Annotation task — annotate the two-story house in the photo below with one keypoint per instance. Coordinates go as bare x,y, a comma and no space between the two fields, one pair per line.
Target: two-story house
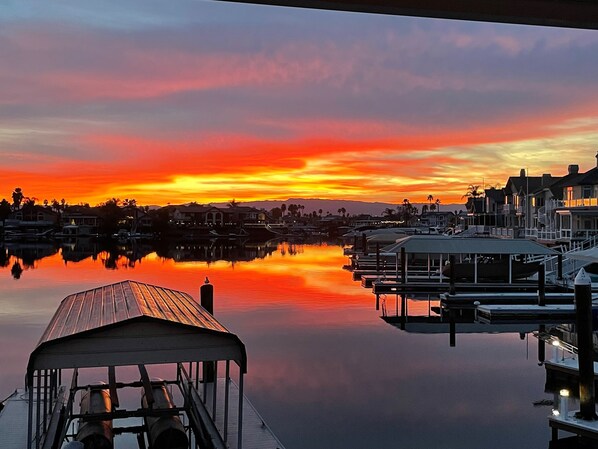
578,212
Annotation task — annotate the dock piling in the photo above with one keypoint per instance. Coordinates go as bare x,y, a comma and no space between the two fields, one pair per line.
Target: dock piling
364,244
583,314
206,294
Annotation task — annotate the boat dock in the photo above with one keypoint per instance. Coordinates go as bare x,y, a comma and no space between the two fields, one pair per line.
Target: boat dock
462,300
388,286
132,324
513,313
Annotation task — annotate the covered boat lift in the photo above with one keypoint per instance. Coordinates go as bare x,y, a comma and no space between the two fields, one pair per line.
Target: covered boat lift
441,247
135,324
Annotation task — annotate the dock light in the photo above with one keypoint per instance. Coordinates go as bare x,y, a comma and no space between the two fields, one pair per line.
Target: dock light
555,412
556,343
564,393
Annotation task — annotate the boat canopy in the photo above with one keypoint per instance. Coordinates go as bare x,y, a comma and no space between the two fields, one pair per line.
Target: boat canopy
441,244
132,323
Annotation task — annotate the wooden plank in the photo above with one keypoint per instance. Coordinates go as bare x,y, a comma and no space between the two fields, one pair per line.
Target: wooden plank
256,433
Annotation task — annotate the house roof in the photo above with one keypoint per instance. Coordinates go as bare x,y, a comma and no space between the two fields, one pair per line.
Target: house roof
523,183
132,323
498,195
440,244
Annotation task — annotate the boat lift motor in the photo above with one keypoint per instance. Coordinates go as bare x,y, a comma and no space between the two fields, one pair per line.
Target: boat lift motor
95,434
164,432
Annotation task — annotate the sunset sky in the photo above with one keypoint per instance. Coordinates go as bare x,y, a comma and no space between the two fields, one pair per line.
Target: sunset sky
205,101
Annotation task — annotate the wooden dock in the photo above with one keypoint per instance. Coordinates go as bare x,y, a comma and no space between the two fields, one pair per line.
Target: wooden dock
389,286
550,313
463,300
256,433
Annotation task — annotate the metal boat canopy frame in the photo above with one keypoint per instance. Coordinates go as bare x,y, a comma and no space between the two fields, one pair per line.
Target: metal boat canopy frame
124,324
440,245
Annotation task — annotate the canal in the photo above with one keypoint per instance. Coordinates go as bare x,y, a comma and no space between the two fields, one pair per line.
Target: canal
325,371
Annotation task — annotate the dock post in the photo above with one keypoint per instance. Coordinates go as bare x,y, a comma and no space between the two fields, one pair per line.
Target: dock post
560,267
403,263
583,321
206,294
377,258
541,285
354,243
452,274
364,243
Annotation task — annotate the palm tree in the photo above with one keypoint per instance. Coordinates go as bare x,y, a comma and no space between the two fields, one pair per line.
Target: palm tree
473,191
388,212
17,198
437,204
430,199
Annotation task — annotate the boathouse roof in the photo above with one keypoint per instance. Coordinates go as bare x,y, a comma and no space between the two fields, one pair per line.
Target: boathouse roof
130,323
441,244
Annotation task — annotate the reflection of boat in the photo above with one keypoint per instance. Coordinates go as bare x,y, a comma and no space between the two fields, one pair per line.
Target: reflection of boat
494,270
146,328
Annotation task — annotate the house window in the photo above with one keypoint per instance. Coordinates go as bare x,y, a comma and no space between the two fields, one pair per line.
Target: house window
586,191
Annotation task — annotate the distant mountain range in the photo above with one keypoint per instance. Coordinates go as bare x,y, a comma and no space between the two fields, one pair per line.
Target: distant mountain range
332,206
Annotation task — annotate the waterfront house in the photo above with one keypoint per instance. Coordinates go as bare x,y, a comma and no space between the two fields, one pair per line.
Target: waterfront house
441,220
198,215
31,218
81,220
578,210
517,207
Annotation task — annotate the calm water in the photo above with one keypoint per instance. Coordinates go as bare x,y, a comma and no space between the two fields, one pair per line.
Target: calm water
325,370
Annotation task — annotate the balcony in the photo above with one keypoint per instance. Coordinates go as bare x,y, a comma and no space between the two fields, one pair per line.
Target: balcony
581,202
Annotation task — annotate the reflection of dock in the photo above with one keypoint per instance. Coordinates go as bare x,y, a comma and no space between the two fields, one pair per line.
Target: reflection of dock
439,325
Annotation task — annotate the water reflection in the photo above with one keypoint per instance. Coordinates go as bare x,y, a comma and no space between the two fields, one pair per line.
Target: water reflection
114,255
324,370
